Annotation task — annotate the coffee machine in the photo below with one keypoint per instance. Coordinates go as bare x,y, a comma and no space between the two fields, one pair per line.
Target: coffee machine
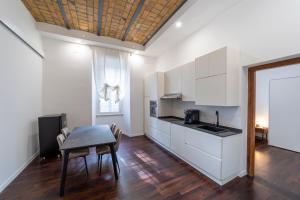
191,116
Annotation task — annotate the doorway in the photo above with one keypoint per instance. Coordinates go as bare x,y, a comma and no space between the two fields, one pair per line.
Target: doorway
252,125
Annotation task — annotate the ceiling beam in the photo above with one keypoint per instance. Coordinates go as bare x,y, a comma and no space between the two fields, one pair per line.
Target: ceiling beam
62,11
132,20
100,13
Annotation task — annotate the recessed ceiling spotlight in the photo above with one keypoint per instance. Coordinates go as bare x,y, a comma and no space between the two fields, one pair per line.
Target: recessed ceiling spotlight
178,24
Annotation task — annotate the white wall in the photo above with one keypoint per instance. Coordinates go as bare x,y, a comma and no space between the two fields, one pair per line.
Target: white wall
229,116
132,120
69,86
67,81
264,29
262,89
20,92
261,29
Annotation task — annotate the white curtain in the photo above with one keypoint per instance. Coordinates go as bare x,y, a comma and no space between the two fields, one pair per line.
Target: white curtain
110,73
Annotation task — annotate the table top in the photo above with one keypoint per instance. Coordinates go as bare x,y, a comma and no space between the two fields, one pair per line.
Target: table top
88,136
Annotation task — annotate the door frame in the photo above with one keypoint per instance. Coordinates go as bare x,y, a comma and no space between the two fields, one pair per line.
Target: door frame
251,106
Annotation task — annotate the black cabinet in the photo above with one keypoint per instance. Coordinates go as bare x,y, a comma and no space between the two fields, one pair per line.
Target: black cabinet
49,127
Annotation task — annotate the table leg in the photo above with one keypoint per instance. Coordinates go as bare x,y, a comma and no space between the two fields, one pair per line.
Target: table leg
64,172
113,156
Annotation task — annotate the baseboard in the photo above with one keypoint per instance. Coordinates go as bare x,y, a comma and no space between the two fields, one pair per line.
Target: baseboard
16,173
243,173
134,134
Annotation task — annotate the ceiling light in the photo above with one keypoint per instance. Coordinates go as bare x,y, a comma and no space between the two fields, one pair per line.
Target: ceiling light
136,51
178,24
78,41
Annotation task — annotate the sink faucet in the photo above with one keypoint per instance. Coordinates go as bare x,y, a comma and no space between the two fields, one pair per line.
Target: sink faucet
217,113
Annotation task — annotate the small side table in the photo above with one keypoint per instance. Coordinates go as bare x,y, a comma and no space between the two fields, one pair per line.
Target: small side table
263,131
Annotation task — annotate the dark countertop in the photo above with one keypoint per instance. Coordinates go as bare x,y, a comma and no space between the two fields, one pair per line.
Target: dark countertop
179,121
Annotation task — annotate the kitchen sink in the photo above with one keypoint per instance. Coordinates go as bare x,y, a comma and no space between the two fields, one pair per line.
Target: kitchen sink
212,128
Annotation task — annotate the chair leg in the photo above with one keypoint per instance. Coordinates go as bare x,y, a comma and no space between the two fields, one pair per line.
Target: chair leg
98,162
100,165
86,167
118,163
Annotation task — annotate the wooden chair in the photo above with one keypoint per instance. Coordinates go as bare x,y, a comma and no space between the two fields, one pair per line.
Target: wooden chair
65,131
113,127
104,149
74,153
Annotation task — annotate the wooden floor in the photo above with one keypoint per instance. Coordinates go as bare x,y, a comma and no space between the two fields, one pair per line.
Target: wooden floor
149,172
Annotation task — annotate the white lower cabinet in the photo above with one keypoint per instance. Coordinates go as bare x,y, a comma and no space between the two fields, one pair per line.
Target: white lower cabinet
160,131
177,139
216,157
204,161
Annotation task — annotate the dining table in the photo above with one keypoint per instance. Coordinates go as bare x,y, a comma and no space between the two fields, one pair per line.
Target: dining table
85,137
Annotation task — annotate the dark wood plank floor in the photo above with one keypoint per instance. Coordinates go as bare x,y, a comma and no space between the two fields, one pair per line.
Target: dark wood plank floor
149,172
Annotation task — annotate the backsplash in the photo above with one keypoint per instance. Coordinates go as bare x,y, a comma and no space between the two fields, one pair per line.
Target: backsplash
229,116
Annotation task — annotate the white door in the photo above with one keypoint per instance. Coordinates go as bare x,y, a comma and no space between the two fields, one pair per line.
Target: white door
211,91
284,113
188,82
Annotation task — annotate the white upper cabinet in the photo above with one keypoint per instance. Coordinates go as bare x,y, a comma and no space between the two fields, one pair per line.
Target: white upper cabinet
217,62
211,64
188,82
217,78
155,86
173,81
211,91
201,66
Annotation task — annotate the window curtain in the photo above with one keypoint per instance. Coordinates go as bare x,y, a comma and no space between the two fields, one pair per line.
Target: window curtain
110,73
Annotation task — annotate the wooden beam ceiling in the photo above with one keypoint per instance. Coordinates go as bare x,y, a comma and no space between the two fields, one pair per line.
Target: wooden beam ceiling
128,20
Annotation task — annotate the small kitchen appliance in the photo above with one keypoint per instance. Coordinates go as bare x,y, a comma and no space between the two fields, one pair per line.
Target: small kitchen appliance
191,116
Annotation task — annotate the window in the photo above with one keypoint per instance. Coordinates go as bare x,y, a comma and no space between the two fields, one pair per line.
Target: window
109,106
110,72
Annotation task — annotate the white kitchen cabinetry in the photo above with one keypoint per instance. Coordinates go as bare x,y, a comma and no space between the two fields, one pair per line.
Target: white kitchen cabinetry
217,78
160,131
187,82
211,90
173,81
177,139
216,157
155,85
146,114
201,66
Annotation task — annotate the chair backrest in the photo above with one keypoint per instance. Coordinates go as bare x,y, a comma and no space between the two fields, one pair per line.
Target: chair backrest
113,127
60,140
118,136
65,131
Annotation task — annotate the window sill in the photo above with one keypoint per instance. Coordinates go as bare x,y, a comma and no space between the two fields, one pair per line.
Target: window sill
108,114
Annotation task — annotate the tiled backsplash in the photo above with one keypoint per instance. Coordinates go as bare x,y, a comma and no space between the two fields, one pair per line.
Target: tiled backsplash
229,116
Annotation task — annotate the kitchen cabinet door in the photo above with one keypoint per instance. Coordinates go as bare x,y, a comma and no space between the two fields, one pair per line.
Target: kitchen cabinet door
205,142
173,81
202,66
204,161
217,62
177,139
146,114
211,91
152,86
188,82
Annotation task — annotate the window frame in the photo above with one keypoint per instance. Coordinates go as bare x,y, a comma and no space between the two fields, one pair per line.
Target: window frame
98,113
